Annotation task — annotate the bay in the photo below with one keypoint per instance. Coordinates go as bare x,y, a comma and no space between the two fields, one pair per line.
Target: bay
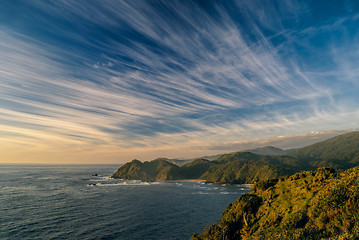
82,202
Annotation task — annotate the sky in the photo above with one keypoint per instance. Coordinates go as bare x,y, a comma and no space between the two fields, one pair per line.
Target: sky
109,81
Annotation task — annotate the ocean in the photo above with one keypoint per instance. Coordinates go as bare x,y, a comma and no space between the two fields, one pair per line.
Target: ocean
71,202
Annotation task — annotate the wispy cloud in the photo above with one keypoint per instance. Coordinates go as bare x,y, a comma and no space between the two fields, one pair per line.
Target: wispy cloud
158,74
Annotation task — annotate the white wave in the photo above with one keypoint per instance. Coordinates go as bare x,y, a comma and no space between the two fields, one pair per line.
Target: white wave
26,177
47,178
18,188
229,193
103,178
122,183
247,185
202,193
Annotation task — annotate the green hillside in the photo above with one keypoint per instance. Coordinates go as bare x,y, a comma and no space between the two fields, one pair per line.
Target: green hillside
247,167
241,171
341,152
317,204
269,151
195,169
279,161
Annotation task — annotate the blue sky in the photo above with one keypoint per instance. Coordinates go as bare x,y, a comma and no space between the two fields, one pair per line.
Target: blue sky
107,81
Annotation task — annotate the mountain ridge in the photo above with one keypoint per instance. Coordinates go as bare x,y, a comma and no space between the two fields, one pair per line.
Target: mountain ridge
340,152
269,151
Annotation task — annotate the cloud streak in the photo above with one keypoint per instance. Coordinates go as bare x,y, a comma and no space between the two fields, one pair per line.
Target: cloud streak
158,74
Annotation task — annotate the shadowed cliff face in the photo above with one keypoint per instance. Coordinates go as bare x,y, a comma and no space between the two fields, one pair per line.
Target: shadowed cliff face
319,204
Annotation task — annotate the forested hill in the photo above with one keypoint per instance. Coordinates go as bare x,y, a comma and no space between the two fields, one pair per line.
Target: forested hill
157,169
232,168
269,151
320,204
341,152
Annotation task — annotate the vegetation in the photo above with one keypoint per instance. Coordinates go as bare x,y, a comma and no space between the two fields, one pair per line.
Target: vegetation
178,162
195,169
247,167
269,151
240,171
231,171
341,153
319,204
158,169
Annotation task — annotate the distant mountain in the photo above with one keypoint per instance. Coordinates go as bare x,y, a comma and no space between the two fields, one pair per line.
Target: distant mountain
212,157
178,162
279,161
269,151
341,152
320,204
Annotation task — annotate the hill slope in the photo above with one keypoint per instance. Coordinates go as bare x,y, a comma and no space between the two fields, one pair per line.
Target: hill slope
241,171
269,151
158,169
195,169
178,162
341,152
246,167
319,204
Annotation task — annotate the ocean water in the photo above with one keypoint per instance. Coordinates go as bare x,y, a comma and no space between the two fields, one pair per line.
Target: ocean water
68,202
